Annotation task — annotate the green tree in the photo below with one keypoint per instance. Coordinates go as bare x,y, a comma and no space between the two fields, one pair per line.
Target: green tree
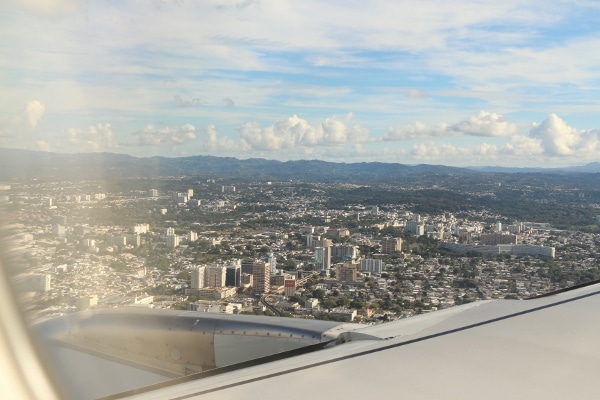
330,303
318,294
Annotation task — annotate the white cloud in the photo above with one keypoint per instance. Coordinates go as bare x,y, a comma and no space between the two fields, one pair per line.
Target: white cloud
34,110
485,124
340,131
116,57
98,137
168,136
284,134
482,124
551,142
21,124
436,152
521,67
212,141
523,147
449,154
295,132
418,130
557,138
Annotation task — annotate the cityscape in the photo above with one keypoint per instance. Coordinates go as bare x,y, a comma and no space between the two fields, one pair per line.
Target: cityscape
279,248
233,199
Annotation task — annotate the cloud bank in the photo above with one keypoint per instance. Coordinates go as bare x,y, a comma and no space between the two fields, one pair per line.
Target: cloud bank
550,142
295,132
95,138
167,136
485,124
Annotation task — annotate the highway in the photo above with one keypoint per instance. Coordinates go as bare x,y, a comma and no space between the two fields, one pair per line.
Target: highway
270,307
302,281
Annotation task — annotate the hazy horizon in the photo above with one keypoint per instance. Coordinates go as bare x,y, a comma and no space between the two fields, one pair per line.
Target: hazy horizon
510,84
241,158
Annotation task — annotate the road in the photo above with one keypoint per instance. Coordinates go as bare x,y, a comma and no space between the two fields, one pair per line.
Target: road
270,307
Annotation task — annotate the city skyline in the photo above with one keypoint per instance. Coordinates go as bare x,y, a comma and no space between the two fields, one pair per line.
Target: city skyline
460,84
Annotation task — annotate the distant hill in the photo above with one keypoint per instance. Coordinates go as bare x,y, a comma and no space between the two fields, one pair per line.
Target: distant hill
593,167
44,165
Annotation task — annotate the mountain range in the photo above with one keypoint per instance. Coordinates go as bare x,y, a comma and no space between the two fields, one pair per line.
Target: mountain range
20,164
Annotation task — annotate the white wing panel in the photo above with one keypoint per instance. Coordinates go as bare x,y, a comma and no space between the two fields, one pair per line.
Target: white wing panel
502,349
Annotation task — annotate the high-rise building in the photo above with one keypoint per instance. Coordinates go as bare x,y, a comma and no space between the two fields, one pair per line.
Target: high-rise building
498,238
311,240
261,276
192,236
141,228
344,251
172,241
214,276
371,265
324,242
323,258
248,265
306,230
197,274
289,286
338,232
345,272
153,193
233,276
391,245
172,238
415,227
516,228
270,258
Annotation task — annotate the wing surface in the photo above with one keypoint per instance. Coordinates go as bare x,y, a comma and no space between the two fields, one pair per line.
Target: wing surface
542,348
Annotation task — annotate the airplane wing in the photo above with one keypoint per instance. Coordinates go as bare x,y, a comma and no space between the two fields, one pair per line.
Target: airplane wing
541,348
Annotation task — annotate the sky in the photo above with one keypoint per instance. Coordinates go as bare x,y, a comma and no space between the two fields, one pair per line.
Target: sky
460,83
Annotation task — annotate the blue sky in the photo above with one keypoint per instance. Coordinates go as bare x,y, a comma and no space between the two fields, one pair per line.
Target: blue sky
462,82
